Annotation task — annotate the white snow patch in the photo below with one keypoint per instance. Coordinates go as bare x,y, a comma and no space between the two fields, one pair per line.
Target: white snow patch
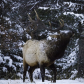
17,5
51,8
20,29
4,69
9,59
80,16
80,79
14,67
65,81
36,74
8,20
18,64
45,8
72,56
5,1
49,38
18,58
9,62
55,6
74,73
70,4
64,31
28,36
71,60
20,75
68,60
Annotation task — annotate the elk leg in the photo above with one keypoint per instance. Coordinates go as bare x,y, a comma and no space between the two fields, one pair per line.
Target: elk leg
30,73
24,72
42,69
54,71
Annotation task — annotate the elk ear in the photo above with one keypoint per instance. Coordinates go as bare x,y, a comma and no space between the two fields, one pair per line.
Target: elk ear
30,19
37,15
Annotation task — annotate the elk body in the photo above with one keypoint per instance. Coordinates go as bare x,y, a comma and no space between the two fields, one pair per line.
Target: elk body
43,53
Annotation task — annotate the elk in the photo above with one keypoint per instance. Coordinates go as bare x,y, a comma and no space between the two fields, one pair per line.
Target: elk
43,53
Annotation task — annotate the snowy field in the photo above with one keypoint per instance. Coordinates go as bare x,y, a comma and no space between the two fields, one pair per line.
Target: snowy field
77,81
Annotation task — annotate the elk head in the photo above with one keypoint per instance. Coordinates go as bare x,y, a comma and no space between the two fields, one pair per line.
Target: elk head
38,26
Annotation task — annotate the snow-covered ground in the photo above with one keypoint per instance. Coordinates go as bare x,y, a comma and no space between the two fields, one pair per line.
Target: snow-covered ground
65,81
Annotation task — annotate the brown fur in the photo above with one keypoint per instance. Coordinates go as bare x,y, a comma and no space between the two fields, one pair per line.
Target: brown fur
43,53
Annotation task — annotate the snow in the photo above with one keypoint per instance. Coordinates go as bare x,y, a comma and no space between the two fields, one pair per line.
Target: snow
74,73
51,8
80,16
18,57
5,1
1,59
64,31
4,69
70,4
64,81
71,59
56,6
8,20
49,38
45,8
19,28
20,75
9,62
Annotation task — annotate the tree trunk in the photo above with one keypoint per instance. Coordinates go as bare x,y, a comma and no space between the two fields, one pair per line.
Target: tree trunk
81,58
81,54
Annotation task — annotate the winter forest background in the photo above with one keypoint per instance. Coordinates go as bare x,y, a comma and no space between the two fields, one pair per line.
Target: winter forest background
14,33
